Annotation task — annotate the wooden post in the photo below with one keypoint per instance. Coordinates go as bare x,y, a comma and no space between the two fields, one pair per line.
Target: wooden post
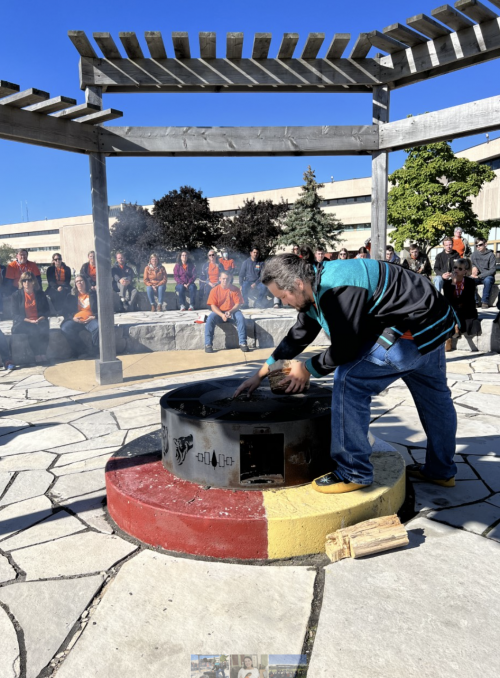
380,173
108,368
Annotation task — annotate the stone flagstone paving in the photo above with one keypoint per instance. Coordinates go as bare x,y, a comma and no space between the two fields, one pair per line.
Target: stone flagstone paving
78,599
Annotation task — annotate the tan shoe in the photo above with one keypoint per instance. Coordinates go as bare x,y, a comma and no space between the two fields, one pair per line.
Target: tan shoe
331,483
448,345
153,308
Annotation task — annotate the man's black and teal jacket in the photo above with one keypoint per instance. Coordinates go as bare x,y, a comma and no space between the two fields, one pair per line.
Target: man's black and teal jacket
364,300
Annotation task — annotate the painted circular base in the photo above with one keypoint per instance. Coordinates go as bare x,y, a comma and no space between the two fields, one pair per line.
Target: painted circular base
159,509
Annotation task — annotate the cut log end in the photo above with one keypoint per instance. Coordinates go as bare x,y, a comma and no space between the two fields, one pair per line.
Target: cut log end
366,538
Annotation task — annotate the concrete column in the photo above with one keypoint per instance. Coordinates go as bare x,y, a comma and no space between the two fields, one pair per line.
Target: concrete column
380,173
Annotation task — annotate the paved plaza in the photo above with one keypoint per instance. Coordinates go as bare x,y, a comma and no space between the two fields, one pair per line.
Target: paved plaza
78,598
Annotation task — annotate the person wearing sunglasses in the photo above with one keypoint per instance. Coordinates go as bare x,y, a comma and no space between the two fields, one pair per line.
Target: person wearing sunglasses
460,291
58,283
209,276
484,268
343,254
81,314
30,315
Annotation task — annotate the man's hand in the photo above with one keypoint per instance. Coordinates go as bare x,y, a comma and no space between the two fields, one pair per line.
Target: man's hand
249,385
59,289
298,378
252,286
446,276
87,320
42,317
186,285
125,281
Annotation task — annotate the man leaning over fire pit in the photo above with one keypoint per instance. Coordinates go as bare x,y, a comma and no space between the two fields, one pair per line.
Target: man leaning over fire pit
384,323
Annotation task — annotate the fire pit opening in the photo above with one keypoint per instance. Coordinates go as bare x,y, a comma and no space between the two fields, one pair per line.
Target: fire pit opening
262,459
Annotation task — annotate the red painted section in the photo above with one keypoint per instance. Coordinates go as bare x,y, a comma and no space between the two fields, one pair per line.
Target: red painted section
158,508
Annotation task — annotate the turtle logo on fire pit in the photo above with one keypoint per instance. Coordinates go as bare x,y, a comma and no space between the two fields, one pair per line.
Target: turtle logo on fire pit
182,447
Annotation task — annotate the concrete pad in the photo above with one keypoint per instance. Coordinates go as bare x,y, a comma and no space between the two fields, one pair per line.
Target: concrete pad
59,604
90,509
96,425
74,555
428,496
474,518
485,402
96,460
226,600
401,425
7,573
14,403
10,666
76,484
26,485
488,469
487,378
457,376
28,382
403,451
53,410
9,425
478,435
135,433
469,386
5,478
494,389
143,416
60,524
464,472
457,367
38,438
408,612
51,393
22,515
26,462
111,440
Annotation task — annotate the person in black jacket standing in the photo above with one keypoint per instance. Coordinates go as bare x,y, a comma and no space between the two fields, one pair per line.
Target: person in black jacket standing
81,314
59,283
460,290
123,280
443,265
30,315
249,278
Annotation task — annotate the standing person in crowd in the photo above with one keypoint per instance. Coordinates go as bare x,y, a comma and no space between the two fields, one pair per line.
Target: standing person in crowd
89,270
460,244
5,355
58,283
484,268
250,272
319,255
81,314
225,300
30,315
16,268
343,254
460,290
155,279
362,253
227,264
391,256
209,278
419,262
123,278
443,264
185,276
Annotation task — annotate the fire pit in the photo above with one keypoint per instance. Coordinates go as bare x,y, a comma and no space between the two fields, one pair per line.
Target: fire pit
252,442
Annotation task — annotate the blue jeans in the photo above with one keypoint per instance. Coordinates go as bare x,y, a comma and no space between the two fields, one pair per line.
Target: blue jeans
214,319
151,294
488,282
180,290
438,283
372,372
72,329
260,291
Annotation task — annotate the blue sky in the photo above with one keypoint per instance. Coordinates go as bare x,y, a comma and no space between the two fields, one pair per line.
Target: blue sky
36,52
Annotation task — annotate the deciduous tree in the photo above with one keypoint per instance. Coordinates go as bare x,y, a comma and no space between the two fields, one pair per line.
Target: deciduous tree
136,234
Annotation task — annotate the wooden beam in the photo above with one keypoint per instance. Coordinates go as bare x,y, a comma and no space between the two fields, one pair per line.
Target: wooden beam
449,16
82,44
361,47
427,26
131,45
7,88
288,45
107,45
26,98
385,43
76,111
404,34
338,45
207,45
261,44
234,45
238,141
44,130
449,123
476,10
312,46
100,117
51,105
155,44
181,45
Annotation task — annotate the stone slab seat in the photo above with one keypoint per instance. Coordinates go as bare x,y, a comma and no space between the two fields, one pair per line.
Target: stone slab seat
493,294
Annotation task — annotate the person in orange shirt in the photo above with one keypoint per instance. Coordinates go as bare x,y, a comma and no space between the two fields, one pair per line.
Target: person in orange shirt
155,279
89,271
81,314
30,311
210,273
16,268
460,244
225,300
227,264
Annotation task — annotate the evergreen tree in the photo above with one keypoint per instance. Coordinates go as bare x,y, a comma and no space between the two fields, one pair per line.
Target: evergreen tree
432,196
136,234
257,223
306,223
7,254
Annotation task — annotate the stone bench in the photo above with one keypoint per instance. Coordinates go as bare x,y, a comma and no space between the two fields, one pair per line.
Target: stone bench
493,294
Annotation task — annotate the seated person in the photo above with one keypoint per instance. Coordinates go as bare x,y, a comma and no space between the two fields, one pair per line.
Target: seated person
484,268
250,272
443,264
184,276
123,281
393,258
419,262
209,277
16,268
155,279
58,279
460,290
30,315
362,253
343,254
6,360
89,271
81,314
226,263
225,300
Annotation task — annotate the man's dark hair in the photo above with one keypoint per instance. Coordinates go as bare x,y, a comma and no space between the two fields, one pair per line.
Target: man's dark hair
319,248
389,248
285,269
254,247
480,241
414,246
448,237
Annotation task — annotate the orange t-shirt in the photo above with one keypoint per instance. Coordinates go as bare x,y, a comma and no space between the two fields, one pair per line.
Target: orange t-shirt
225,299
92,273
60,275
459,246
213,273
84,311
185,267
227,264
30,306
15,270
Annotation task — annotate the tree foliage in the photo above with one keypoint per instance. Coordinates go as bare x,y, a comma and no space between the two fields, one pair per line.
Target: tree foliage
256,224
185,220
136,234
432,196
306,223
7,254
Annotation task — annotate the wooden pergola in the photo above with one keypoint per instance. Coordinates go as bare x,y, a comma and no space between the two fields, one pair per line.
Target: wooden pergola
451,39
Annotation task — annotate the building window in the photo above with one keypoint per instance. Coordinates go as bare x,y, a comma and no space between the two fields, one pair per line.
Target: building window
357,227
28,235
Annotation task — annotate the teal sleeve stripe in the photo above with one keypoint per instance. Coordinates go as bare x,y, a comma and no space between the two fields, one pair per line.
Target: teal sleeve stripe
270,360
395,330
439,335
311,369
383,291
386,340
434,324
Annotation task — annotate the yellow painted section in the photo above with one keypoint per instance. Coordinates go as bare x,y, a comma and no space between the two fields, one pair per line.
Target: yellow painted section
299,518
